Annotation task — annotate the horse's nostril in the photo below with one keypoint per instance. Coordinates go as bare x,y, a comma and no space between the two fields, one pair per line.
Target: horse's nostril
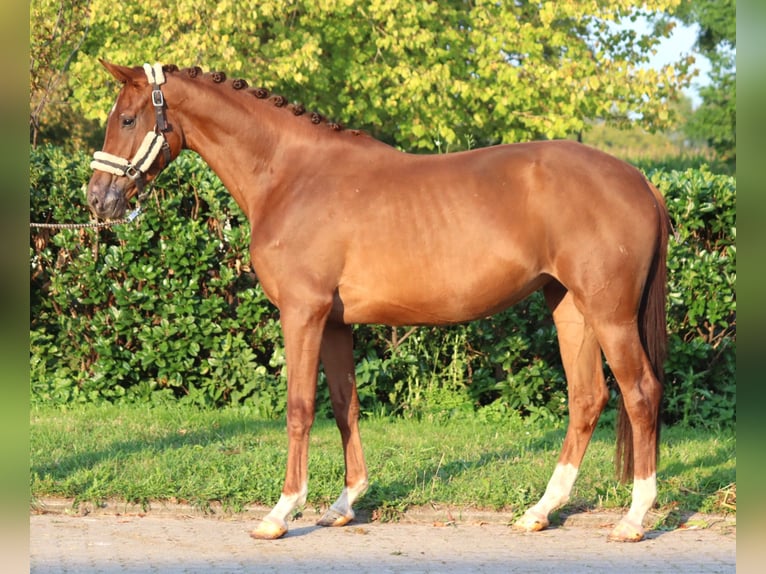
95,202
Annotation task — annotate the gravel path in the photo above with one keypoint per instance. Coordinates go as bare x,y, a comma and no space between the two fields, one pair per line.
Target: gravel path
177,540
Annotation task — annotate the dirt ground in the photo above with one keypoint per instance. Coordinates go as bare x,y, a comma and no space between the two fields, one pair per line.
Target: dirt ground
175,540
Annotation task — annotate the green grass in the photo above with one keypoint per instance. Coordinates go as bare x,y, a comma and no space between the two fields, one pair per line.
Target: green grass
142,454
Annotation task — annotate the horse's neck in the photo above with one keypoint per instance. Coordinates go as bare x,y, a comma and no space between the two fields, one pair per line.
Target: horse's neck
256,149
239,144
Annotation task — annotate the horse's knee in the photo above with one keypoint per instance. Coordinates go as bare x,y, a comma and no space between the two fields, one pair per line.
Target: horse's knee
585,410
300,418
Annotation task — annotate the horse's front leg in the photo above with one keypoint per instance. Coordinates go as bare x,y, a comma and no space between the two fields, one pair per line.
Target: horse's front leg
302,329
338,362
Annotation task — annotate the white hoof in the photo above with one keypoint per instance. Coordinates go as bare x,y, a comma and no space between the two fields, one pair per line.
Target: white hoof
626,531
531,522
270,528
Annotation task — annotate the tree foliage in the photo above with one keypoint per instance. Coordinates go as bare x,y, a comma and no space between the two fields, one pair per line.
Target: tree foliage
716,119
422,75
59,28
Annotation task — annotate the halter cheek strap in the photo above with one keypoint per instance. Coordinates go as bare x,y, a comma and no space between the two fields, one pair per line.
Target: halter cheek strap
152,144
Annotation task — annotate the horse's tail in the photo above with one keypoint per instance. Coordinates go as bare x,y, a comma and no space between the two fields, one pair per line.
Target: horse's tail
653,333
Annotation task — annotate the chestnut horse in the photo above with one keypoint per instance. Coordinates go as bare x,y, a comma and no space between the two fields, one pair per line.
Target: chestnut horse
346,229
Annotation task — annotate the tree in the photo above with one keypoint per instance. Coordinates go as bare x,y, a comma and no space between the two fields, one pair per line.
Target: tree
715,120
421,75
58,30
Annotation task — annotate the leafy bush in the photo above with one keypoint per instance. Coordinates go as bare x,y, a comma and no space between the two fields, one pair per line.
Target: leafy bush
169,309
700,369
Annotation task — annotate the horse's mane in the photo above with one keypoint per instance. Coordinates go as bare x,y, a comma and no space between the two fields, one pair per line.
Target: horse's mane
260,93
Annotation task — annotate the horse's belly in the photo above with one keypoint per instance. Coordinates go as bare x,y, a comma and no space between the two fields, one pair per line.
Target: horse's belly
422,300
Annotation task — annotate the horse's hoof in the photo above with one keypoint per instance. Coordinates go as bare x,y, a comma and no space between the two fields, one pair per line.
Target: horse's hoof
531,522
269,529
626,532
334,518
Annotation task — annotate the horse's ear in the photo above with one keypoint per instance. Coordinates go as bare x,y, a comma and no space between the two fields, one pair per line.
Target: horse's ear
123,74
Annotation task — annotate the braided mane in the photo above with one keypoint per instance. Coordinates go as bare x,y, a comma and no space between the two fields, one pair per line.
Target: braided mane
261,93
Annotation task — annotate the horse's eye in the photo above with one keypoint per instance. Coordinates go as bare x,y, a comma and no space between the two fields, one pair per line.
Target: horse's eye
128,122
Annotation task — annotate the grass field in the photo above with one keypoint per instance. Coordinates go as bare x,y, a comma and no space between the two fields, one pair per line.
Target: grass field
140,454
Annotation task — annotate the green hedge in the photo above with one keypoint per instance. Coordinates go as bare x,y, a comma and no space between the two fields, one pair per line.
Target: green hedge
168,309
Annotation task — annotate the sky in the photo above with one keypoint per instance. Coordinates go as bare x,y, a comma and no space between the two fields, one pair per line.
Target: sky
680,43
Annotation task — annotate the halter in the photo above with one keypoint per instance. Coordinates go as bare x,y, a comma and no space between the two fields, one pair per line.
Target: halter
150,147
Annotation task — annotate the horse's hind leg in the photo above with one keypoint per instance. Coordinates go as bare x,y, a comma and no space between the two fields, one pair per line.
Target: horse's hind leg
338,362
641,396
583,366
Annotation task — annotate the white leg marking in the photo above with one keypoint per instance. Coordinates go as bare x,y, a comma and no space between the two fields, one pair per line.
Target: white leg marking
274,524
288,503
558,489
644,495
341,512
556,493
631,528
348,496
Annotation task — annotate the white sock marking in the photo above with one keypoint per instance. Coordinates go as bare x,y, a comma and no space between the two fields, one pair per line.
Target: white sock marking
558,489
348,496
287,503
644,495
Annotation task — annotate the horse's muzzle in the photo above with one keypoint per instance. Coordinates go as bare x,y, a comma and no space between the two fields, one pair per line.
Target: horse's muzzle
107,195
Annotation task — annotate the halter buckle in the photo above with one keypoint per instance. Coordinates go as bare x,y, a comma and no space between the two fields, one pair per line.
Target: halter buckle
132,172
158,100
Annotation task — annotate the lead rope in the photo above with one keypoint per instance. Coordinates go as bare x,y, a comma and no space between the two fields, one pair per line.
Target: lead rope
130,218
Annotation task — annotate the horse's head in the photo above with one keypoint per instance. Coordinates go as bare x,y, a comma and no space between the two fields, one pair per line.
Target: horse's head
140,141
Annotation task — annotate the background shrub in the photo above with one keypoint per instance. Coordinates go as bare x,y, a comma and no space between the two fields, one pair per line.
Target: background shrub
169,309
700,369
